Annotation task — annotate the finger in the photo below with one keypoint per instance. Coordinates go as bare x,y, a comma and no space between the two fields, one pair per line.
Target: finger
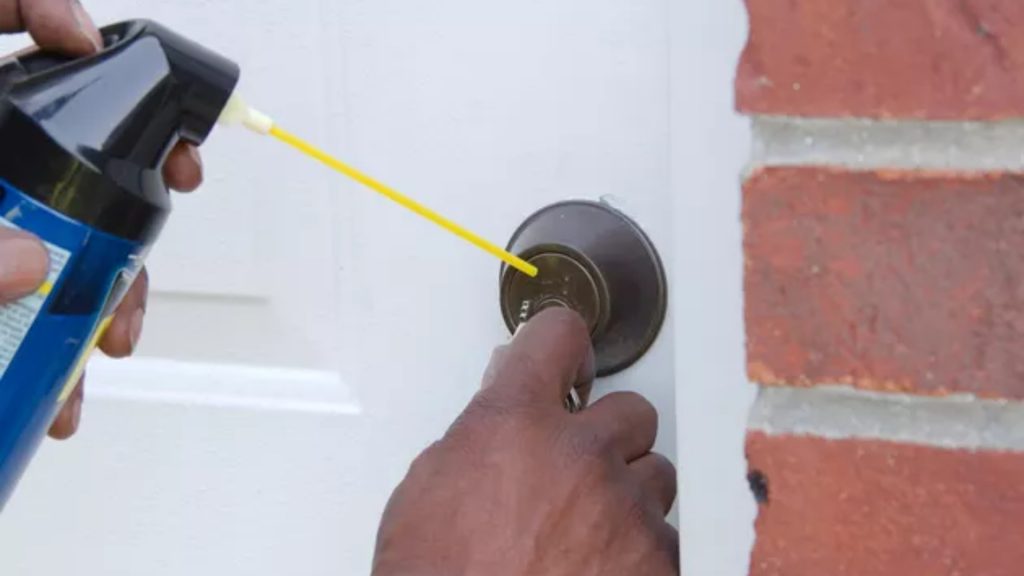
183,169
24,264
125,330
58,25
657,478
547,357
10,16
668,537
584,386
70,415
628,422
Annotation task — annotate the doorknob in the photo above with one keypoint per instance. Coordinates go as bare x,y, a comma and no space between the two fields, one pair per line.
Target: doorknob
595,260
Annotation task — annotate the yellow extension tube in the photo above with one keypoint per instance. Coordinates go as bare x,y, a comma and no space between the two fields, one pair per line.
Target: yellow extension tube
314,152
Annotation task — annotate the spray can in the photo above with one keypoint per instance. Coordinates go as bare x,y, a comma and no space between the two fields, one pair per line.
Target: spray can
82,147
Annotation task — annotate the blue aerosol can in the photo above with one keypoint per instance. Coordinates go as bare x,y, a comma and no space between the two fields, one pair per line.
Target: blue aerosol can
82,147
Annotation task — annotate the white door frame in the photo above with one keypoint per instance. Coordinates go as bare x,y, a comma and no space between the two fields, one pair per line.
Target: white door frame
710,148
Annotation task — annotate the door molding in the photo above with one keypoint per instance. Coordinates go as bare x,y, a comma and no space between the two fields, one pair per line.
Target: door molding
232,386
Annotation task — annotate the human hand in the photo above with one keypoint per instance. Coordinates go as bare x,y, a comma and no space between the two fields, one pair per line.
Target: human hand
64,26
518,486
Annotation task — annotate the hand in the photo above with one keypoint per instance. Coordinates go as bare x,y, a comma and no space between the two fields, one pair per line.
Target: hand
64,26
520,487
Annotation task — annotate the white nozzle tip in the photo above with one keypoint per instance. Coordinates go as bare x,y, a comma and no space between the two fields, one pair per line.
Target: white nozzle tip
238,112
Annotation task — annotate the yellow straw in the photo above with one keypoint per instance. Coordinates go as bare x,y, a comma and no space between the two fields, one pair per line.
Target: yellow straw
314,152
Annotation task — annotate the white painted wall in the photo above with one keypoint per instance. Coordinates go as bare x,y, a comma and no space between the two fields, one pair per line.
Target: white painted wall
314,338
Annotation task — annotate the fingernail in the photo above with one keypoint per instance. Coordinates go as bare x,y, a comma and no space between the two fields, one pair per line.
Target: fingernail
86,25
194,153
23,266
135,329
76,413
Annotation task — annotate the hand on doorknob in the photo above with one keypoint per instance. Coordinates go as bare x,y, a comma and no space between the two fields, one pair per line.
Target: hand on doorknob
518,486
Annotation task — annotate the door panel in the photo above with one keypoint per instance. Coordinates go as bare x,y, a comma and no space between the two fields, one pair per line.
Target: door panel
183,468
317,293
487,111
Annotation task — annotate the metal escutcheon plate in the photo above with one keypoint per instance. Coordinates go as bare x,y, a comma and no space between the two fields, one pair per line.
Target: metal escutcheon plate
595,260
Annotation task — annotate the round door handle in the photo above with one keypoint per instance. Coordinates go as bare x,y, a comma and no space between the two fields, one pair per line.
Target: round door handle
595,260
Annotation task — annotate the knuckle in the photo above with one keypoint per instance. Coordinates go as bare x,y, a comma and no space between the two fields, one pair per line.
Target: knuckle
667,548
580,443
641,404
495,367
586,452
492,408
511,371
492,418
664,467
513,381
497,356
424,463
524,367
637,510
475,415
641,408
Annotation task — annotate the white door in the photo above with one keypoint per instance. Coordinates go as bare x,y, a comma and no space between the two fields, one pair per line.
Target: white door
306,339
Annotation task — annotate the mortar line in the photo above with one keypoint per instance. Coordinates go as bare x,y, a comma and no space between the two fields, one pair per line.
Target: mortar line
838,413
899,144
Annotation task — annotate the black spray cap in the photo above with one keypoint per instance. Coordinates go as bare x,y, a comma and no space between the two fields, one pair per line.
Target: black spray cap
201,80
102,125
147,88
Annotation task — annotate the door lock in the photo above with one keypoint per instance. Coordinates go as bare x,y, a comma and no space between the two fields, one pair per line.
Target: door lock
595,260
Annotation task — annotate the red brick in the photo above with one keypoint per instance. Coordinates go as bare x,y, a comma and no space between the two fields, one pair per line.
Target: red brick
863,508
930,59
893,281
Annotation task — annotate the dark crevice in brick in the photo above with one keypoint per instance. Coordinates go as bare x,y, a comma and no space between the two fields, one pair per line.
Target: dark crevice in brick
758,486
974,21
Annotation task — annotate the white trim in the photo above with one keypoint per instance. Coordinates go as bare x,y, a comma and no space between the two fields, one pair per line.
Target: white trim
230,386
710,147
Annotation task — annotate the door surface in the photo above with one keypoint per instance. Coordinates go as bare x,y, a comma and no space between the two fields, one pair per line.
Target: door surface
305,338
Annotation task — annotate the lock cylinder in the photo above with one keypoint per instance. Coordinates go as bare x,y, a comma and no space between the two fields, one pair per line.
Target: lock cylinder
596,261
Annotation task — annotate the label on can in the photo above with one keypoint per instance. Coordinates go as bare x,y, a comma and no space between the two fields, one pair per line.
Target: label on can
16,318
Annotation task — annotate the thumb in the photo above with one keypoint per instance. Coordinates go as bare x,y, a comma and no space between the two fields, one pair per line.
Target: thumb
550,355
24,264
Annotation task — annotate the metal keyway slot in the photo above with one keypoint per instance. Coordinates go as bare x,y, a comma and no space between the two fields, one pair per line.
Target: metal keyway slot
595,260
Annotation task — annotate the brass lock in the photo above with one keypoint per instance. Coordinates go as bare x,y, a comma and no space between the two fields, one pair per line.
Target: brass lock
595,260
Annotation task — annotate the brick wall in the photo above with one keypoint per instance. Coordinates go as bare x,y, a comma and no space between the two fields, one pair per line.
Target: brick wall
884,284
